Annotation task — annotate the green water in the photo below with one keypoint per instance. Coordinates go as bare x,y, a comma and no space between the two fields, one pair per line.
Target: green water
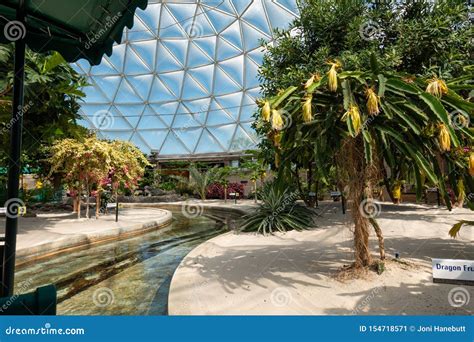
128,277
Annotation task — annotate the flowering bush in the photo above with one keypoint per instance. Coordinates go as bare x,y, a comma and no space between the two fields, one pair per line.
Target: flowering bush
216,190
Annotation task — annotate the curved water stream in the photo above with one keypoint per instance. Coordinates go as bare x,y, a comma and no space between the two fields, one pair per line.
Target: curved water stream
127,277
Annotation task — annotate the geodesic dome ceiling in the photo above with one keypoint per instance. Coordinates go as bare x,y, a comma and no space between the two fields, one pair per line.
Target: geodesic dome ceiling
184,80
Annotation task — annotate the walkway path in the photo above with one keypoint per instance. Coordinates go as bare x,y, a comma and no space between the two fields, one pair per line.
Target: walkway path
293,273
48,234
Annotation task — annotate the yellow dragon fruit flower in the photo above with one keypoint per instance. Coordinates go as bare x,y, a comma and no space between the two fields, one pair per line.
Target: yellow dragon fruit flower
437,87
309,82
266,111
277,120
372,102
471,164
307,109
444,138
354,114
277,139
332,76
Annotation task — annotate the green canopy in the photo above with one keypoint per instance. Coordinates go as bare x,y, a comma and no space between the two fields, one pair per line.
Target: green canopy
75,28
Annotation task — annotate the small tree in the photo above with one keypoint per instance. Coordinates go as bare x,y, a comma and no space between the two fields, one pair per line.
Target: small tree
221,177
201,180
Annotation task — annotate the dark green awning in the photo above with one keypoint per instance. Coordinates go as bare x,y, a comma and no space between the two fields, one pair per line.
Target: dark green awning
75,28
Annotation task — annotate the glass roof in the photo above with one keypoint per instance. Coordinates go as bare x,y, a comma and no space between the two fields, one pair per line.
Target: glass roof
184,80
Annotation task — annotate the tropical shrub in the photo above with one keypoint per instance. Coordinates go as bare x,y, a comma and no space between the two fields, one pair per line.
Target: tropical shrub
279,212
388,103
217,190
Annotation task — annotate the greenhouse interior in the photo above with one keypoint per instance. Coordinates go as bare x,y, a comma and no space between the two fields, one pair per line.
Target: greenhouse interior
236,157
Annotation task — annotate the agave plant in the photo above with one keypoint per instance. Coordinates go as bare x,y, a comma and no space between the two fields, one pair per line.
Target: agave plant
279,212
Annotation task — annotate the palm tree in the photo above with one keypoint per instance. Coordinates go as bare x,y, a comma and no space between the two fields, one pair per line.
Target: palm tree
201,180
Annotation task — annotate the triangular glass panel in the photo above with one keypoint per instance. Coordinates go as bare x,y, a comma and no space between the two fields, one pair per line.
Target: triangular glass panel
169,27
165,109
257,17
208,45
151,16
232,35
94,95
139,31
173,145
139,142
132,113
223,84
173,81
231,104
189,136
108,84
178,48
104,68
150,120
154,138
252,37
251,74
134,65
142,84
160,93
126,94
165,61
290,5
201,26
192,90
146,51
204,75
226,50
219,20
241,141
241,5
279,17
234,68
223,134
217,116
197,57
118,56
208,144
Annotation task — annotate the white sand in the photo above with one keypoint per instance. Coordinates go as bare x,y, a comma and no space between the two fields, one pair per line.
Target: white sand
293,273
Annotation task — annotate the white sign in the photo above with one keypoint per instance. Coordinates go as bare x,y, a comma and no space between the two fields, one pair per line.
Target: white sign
451,269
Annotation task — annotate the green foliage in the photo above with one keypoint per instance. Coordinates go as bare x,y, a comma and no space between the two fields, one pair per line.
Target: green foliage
52,100
279,212
201,180
383,81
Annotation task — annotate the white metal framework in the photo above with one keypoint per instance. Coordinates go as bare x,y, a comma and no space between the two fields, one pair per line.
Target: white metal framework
184,80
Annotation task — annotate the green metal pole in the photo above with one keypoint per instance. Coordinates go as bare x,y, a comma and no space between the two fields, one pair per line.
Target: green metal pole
11,226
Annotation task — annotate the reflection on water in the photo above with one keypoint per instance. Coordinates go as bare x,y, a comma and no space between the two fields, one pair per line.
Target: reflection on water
128,277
